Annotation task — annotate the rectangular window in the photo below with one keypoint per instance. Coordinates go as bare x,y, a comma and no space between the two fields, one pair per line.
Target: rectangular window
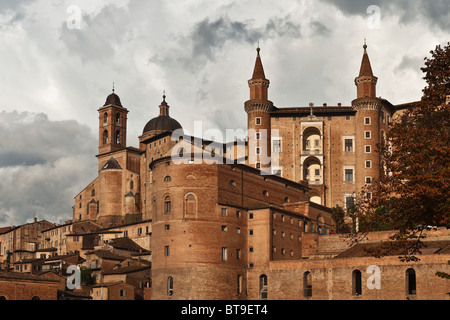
348,145
166,251
238,253
167,207
250,232
224,254
276,146
368,180
258,150
239,284
258,135
224,211
347,117
349,175
349,201
250,215
167,227
368,149
224,228
258,121
368,164
367,134
367,120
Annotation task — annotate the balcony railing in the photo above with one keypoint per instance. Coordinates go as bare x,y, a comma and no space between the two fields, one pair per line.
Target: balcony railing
312,151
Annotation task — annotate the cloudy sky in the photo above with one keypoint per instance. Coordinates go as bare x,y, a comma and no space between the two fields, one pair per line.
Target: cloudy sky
58,60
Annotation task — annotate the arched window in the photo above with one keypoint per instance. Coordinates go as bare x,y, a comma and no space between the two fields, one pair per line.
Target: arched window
167,179
307,284
191,204
167,205
117,137
35,298
105,118
169,286
2,298
410,281
263,287
131,185
117,118
356,283
105,137
93,192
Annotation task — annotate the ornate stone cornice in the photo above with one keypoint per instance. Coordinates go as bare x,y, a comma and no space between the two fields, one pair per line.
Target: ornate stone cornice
258,105
367,104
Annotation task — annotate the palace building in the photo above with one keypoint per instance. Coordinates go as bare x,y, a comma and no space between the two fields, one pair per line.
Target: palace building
226,219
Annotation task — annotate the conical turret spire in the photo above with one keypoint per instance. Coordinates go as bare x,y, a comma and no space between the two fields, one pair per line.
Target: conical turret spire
366,82
258,72
366,68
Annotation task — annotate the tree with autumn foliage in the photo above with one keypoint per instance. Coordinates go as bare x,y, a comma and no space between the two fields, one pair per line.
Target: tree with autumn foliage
413,192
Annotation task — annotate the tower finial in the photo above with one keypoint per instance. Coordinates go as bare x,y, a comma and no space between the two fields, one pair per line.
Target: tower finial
164,95
365,45
258,49
113,88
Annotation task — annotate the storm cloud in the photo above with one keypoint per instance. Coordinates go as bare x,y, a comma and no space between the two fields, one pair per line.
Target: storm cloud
43,164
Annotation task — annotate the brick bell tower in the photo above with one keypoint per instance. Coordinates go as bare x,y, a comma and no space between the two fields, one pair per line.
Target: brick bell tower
258,110
368,123
112,125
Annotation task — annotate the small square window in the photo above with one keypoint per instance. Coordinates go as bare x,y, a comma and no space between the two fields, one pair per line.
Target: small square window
224,228
347,117
258,121
368,164
368,180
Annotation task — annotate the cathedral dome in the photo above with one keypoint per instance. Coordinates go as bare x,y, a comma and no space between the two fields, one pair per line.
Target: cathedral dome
163,122
113,99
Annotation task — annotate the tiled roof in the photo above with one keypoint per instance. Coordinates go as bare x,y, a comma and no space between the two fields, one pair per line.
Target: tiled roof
23,276
129,269
125,243
105,254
